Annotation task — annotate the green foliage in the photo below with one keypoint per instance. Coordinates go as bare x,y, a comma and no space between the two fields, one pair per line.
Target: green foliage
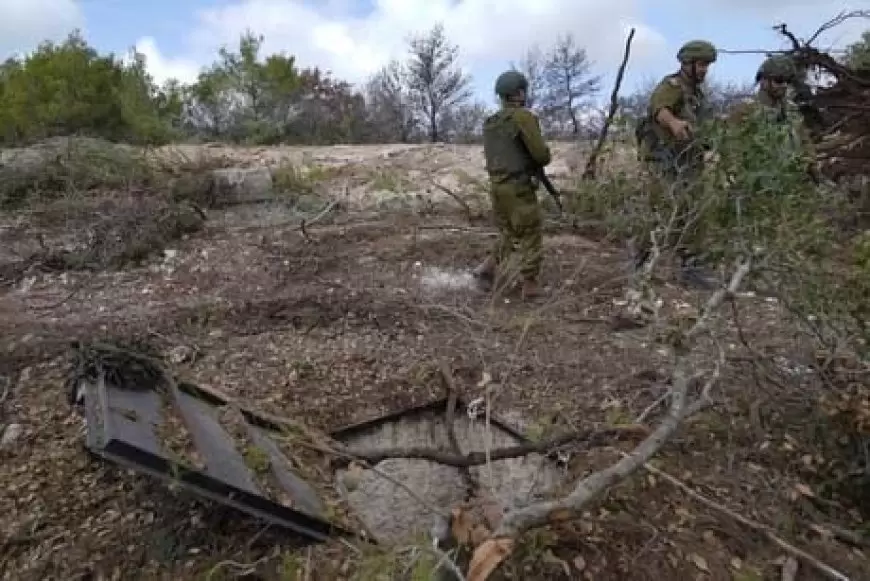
68,89
244,98
858,53
759,195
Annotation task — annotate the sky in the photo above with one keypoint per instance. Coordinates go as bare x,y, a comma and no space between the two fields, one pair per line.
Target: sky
354,38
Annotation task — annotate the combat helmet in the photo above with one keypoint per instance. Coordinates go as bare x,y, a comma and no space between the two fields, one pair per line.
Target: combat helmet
697,50
778,66
509,83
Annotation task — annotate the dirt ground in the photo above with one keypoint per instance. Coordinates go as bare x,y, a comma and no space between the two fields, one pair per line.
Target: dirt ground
346,325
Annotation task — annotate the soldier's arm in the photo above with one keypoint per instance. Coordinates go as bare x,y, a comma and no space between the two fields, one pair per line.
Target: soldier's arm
665,101
530,133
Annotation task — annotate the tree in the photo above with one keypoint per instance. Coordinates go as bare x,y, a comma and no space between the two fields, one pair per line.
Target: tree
464,123
69,89
435,81
532,66
858,53
569,83
389,104
241,97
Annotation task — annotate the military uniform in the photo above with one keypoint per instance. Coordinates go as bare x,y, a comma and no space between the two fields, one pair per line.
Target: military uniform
514,150
778,109
672,164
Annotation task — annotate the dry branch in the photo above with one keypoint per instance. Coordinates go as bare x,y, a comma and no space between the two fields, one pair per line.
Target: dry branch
589,437
320,216
469,213
592,162
472,485
492,552
768,532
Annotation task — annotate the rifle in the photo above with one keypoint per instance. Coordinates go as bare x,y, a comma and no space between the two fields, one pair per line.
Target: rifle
542,177
551,189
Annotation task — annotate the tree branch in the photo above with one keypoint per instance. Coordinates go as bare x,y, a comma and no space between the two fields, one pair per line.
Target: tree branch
768,532
489,555
591,163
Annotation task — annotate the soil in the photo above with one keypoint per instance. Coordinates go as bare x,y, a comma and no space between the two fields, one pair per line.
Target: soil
347,323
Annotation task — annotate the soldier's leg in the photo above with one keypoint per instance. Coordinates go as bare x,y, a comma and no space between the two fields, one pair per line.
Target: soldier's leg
691,248
527,223
501,248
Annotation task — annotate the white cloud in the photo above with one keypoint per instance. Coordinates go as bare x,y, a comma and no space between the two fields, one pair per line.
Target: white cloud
490,33
163,69
26,23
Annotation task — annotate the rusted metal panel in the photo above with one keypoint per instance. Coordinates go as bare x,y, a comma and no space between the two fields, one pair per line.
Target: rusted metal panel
123,426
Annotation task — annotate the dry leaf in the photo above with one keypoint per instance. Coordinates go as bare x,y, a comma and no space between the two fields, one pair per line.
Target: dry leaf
699,562
579,563
487,557
804,490
461,526
736,563
479,534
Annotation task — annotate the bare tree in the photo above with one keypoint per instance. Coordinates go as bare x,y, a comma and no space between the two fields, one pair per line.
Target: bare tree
532,66
569,82
435,81
464,123
389,103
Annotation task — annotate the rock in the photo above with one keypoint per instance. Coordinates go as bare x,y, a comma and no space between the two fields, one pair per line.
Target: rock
242,186
11,435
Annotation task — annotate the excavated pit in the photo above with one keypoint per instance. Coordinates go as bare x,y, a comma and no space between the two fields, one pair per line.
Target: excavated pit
392,514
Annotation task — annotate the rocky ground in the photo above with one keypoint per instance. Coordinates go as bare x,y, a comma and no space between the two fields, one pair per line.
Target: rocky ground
344,321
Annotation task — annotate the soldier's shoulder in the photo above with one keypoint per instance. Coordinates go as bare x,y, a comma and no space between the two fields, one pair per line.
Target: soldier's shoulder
523,115
520,113
673,80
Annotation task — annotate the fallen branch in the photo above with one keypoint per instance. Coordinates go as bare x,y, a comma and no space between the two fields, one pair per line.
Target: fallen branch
472,485
592,162
489,555
469,213
590,437
323,213
765,530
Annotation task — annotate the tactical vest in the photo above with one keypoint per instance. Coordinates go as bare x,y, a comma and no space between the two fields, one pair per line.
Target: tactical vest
506,155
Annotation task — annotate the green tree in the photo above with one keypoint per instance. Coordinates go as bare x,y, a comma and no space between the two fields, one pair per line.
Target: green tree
858,53
69,89
242,97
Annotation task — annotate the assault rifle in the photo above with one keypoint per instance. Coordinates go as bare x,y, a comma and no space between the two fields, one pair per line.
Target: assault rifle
551,189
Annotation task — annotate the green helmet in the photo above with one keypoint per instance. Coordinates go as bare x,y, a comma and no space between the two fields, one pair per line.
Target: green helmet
777,66
697,50
509,83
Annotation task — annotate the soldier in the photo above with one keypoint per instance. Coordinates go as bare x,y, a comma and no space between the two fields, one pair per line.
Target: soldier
667,144
774,77
514,150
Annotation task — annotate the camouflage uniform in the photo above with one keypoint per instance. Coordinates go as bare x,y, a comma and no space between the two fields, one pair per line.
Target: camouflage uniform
514,150
675,165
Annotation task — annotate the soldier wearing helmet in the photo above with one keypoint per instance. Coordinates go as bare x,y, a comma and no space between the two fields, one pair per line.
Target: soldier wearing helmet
514,150
666,139
776,75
